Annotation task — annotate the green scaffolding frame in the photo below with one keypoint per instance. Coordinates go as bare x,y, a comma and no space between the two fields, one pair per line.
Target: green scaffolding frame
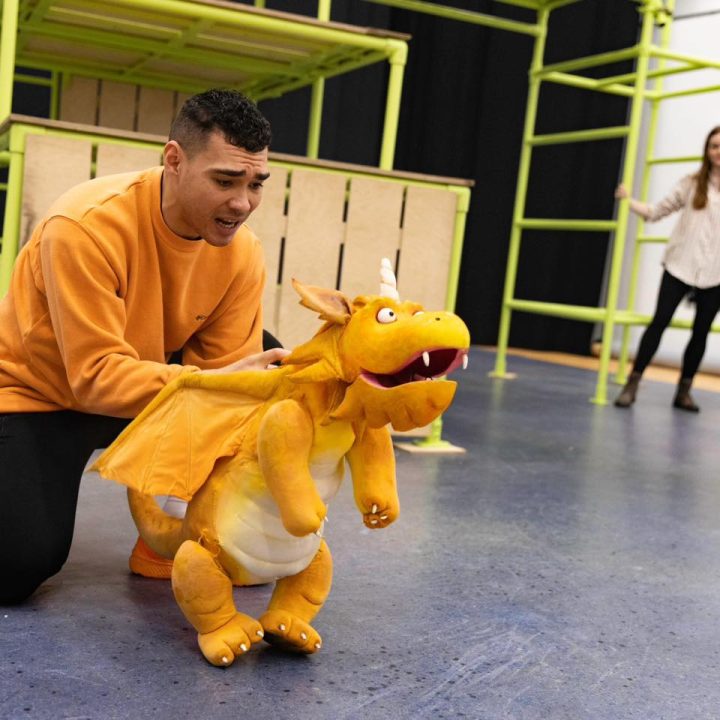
92,39
642,85
635,86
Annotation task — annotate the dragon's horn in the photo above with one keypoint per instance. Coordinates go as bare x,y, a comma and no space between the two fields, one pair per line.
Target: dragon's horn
388,283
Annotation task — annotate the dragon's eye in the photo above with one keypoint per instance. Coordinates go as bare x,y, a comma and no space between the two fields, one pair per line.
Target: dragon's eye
386,315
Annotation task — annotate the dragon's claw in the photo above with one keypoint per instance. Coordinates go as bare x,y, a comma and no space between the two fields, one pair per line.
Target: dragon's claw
289,632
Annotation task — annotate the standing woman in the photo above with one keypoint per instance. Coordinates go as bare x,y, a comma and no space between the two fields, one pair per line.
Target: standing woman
692,264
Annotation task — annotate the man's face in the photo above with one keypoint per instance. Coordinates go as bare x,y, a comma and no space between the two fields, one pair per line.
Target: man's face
213,192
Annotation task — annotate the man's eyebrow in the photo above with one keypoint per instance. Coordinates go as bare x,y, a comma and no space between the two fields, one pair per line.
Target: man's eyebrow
239,173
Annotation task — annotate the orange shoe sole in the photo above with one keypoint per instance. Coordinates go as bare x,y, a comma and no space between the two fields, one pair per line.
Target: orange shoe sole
146,562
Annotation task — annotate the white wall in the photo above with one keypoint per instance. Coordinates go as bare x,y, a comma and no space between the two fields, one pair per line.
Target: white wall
682,127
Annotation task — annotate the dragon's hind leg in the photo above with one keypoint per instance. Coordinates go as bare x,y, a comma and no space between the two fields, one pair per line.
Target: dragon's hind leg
204,593
295,602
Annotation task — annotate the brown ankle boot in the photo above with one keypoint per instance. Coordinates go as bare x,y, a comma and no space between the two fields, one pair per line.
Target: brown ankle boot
683,398
627,397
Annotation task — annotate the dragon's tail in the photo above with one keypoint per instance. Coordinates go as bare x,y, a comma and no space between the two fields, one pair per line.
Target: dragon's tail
162,532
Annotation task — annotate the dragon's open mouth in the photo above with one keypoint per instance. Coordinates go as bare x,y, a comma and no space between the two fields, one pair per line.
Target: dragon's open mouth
426,365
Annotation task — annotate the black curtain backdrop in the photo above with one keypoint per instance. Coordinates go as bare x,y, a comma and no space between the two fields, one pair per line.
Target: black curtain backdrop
462,115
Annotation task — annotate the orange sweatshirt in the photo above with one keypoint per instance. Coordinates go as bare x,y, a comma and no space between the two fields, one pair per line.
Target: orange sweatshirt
104,291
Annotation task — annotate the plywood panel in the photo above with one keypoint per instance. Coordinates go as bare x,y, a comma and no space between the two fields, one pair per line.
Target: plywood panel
117,105
269,223
119,159
79,100
155,110
52,166
180,98
372,233
312,247
426,246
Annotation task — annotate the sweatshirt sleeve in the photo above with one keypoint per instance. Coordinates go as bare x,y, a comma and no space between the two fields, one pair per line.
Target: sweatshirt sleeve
84,291
234,330
678,197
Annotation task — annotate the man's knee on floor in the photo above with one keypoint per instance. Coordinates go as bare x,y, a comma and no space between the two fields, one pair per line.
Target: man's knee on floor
26,569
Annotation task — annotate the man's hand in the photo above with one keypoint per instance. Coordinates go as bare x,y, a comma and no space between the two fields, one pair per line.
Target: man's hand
261,361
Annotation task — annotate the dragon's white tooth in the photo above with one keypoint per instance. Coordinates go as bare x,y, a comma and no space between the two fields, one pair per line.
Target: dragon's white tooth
374,508
426,358
465,362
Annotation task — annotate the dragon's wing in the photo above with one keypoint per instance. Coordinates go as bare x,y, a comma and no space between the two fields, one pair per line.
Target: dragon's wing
172,446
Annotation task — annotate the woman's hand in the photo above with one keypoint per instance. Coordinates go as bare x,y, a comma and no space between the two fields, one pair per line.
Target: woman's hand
621,192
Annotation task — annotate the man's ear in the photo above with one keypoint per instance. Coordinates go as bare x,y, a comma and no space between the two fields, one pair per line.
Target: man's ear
172,156
332,305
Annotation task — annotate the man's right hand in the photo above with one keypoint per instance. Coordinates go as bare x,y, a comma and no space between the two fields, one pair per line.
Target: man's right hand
261,361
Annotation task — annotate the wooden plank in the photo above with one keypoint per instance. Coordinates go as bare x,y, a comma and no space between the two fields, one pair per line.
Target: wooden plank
180,98
269,223
79,100
119,159
155,110
117,105
426,246
372,233
312,247
52,166
370,171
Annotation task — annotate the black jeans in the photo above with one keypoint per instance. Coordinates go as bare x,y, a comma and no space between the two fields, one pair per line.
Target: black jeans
42,457
671,292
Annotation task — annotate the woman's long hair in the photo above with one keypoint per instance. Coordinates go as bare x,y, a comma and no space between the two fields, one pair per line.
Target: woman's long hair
702,176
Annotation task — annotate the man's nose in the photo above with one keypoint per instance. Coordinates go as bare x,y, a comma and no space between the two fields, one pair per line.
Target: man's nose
240,202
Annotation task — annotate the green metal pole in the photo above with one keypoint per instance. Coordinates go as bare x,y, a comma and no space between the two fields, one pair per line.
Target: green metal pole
463,205
521,193
646,35
8,39
398,59
13,205
621,375
467,16
318,93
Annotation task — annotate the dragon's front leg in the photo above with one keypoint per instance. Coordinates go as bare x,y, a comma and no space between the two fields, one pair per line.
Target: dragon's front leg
285,440
295,602
204,593
372,464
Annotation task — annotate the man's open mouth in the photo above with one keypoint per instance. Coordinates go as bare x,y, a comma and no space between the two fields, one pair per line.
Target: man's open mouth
227,224
424,366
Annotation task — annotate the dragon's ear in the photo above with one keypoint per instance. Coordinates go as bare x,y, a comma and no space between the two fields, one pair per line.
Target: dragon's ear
332,305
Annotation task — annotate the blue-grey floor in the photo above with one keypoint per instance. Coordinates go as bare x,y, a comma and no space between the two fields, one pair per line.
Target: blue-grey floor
567,566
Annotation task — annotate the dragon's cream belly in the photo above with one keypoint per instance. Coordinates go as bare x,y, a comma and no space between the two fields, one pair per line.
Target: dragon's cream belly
248,524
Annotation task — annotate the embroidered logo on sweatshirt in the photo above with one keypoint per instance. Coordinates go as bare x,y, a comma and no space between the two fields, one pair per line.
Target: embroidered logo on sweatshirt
201,317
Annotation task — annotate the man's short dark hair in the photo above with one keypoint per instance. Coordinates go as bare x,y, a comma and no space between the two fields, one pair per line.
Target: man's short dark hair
226,111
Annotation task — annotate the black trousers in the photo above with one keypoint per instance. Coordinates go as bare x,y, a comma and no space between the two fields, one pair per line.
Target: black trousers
42,458
671,292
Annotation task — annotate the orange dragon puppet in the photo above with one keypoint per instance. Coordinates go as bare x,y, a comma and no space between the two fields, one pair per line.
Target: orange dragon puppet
260,454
